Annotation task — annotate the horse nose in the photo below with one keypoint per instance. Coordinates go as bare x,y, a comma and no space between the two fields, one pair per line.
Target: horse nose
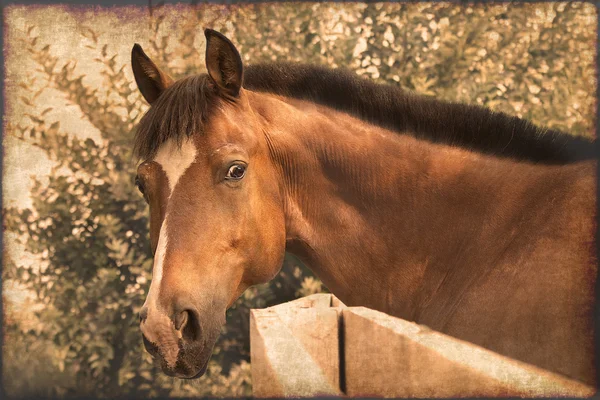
143,314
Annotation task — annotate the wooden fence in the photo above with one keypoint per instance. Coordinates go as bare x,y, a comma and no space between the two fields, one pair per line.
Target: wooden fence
316,346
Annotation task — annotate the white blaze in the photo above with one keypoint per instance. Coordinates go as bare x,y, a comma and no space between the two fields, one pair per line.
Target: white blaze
159,258
174,162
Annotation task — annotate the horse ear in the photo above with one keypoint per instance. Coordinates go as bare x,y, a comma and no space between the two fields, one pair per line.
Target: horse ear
223,63
149,78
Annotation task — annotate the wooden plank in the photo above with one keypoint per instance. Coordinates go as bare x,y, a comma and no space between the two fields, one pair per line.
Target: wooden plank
295,349
318,300
335,302
390,357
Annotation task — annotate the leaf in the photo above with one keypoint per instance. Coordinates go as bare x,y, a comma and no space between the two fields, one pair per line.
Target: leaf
34,118
146,375
53,129
94,36
37,94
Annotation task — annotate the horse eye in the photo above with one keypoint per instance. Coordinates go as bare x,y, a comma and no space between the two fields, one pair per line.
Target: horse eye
139,185
236,172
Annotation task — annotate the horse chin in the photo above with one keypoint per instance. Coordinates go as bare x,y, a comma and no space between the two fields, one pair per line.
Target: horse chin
191,364
187,371
199,374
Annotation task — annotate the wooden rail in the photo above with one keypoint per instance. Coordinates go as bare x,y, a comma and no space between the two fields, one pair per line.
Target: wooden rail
316,346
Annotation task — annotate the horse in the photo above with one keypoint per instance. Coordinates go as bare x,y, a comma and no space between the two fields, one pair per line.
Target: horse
498,250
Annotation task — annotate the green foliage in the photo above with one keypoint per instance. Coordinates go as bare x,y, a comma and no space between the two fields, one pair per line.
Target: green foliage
88,227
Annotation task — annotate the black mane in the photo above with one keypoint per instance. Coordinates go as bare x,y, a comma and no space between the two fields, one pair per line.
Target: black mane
470,126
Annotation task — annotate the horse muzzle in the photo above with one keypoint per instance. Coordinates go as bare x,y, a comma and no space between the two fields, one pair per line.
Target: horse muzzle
177,343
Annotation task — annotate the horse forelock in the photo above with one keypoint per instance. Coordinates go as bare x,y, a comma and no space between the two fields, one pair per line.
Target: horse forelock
179,112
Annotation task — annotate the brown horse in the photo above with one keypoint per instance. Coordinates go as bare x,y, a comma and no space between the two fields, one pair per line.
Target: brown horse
491,250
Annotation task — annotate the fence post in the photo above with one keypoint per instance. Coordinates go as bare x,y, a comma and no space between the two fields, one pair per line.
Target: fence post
295,349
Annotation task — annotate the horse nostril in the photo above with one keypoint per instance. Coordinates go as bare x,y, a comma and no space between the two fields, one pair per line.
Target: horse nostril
143,314
188,323
150,347
181,320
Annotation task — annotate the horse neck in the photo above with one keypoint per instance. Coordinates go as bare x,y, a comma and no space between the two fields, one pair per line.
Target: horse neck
368,210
